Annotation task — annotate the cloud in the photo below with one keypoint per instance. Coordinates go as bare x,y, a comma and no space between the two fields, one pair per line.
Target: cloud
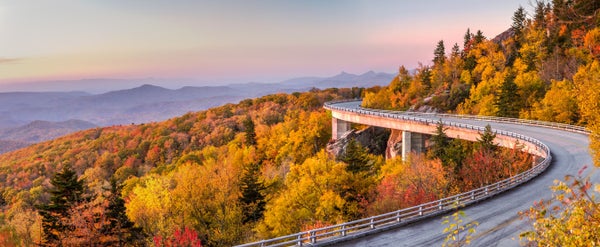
8,60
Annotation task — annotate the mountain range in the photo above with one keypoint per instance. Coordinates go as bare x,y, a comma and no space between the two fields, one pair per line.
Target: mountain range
30,117
38,131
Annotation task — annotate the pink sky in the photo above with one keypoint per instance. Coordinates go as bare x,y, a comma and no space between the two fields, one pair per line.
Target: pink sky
231,41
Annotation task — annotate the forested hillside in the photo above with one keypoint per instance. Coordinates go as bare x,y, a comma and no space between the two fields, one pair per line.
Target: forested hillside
545,67
258,169
189,171
227,175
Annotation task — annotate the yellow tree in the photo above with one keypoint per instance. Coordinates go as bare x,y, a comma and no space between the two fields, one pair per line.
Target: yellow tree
570,218
378,100
486,78
558,105
587,89
151,205
206,199
312,194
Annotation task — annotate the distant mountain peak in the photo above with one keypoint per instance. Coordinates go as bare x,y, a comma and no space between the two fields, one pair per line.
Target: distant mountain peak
369,73
150,86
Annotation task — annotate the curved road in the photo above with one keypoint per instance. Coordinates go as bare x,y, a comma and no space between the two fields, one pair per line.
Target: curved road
499,221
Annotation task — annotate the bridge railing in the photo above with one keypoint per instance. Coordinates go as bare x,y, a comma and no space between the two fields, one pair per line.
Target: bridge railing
429,209
562,126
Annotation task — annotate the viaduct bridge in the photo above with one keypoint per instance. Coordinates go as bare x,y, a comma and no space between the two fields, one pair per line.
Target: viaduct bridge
495,206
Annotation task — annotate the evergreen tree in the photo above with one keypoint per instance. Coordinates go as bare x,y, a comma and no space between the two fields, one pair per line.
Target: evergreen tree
452,152
439,143
426,75
467,40
519,19
456,153
479,37
121,230
455,51
518,25
541,10
357,157
250,132
486,140
439,53
470,63
67,191
252,200
507,100
471,40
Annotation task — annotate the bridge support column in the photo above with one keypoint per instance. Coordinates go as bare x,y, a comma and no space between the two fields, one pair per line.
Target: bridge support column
406,144
339,128
412,142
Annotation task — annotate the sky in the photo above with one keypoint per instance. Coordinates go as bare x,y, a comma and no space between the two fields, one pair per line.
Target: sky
232,41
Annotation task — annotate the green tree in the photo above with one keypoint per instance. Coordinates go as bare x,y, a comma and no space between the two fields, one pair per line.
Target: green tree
486,140
541,10
467,40
455,50
507,99
425,75
456,153
120,230
478,38
357,157
439,142
514,43
439,53
252,199
67,191
250,132
519,21
451,152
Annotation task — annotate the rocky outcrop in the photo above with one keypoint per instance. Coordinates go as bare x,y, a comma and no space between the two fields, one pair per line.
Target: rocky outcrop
394,144
373,138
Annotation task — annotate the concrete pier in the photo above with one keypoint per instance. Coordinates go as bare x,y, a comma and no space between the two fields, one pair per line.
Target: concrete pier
339,128
412,142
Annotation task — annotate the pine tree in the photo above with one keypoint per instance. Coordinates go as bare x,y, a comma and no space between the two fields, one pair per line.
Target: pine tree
455,51
541,10
479,37
121,230
486,140
252,200
250,131
507,100
439,143
467,40
519,22
67,191
357,157
426,75
519,19
439,53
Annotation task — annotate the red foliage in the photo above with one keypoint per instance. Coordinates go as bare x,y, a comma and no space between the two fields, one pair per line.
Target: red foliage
482,169
186,238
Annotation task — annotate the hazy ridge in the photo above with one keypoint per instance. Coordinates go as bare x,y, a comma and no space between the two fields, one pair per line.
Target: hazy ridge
30,117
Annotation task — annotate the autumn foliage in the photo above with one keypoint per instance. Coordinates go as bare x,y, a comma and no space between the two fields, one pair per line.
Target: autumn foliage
257,169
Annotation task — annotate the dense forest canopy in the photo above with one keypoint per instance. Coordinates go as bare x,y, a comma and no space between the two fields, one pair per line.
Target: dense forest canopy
258,169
